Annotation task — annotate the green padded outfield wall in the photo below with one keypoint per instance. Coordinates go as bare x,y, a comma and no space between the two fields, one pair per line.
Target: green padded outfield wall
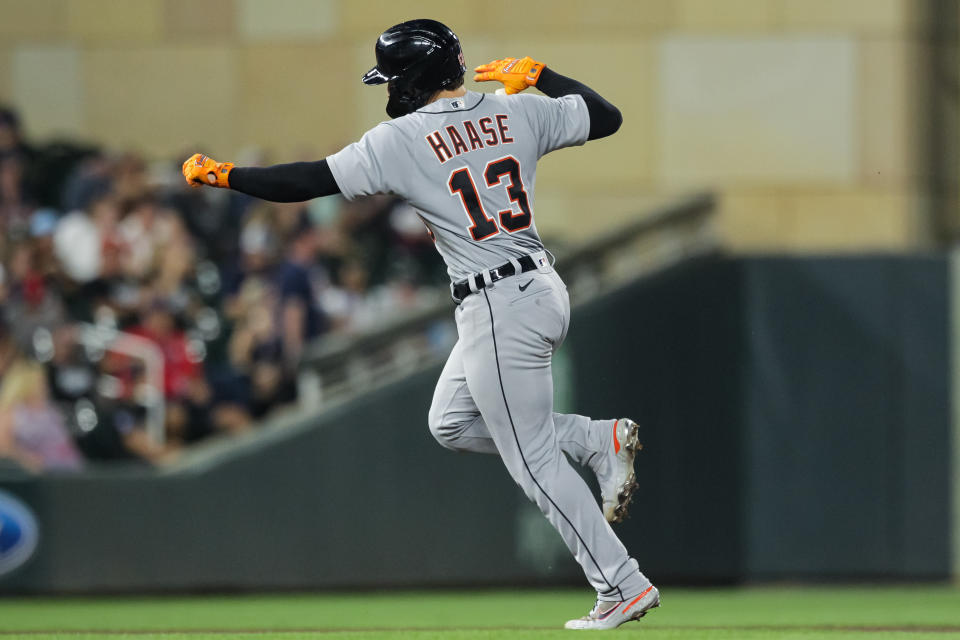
796,419
847,436
798,415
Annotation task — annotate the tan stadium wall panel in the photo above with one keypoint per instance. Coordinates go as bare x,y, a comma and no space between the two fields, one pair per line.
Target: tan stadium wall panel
602,18
6,75
776,104
758,110
284,117
31,20
369,102
100,21
889,72
184,19
734,15
828,220
570,216
46,83
287,19
851,219
161,100
864,16
366,19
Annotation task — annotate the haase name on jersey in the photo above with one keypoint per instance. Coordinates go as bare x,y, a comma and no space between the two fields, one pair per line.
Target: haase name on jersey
471,133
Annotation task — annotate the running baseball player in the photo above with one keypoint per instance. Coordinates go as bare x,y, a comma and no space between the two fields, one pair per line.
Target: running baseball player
467,162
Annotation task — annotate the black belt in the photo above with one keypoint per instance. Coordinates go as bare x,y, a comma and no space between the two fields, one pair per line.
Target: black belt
462,289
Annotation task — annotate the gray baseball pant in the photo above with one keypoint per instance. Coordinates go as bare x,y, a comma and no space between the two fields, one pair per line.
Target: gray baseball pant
495,395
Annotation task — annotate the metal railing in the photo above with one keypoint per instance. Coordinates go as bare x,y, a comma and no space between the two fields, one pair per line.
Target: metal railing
339,366
149,394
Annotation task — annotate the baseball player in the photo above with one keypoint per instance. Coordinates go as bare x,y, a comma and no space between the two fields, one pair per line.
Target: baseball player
467,163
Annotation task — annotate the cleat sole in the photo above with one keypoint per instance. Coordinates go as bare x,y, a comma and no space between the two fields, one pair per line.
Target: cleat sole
646,611
627,489
624,496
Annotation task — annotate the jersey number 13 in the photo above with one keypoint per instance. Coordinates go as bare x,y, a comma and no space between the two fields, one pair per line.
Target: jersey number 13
483,227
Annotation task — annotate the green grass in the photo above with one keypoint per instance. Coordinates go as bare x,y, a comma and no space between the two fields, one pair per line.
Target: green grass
787,613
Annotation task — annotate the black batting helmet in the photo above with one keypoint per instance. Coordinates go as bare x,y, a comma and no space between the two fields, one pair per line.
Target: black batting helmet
417,58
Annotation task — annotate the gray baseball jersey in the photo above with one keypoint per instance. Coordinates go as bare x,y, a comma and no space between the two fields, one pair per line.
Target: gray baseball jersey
469,166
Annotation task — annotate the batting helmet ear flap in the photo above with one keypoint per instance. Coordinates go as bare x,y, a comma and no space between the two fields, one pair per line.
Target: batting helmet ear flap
404,99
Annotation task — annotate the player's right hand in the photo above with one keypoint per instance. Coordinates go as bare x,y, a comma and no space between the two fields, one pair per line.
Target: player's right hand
202,170
515,74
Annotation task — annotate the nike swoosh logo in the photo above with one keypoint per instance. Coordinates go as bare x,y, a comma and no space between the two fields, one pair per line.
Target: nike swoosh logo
616,443
523,287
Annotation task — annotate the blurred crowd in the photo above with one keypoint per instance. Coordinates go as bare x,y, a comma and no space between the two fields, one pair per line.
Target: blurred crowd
111,267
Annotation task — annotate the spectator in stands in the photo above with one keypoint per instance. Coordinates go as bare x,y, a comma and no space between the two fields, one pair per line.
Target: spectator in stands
256,347
413,254
145,231
89,181
185,386
346,301
16,204
8,349
32,430
12,144
34,303
172,273
128,172
70,374
231,289
11,136
72,378
129,424
84,238
302,320
122,429
43,223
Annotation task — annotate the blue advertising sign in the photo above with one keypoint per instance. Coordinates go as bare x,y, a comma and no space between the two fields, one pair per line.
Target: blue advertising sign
18,533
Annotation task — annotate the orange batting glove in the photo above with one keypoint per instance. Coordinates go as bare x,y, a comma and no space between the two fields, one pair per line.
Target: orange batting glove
200,170
515,74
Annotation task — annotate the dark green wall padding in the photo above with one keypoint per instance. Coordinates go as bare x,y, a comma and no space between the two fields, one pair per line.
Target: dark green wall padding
796,423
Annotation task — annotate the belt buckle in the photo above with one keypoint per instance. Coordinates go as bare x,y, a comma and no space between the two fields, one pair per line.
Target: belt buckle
495,274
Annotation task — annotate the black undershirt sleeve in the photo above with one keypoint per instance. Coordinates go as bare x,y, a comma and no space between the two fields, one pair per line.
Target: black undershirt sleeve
300,181
605,118
293,182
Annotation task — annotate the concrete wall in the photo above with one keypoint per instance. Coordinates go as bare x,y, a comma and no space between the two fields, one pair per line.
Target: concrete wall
803,113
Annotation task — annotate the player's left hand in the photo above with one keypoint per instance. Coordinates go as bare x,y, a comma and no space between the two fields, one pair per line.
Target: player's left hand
200,170
515,74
